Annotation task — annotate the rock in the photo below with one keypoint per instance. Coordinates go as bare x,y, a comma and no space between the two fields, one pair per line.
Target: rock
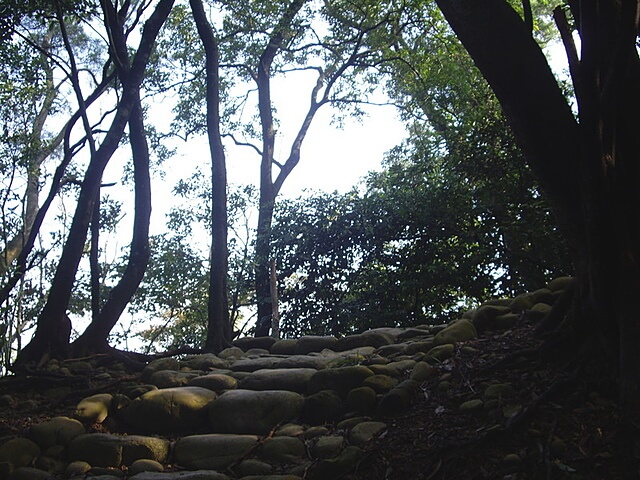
291,379
389,351
168,363
247,343
251,466
214,381
212,451
290,430
231,353
312,343
19,452
423,371
253,364
500,302
484,316
380,383
94,409
195,475
370,338
512,462
315,432
26,473
505,322
394,402
362,400
402,367
77,468
145,465
421,346
328,446
365,431
317,362
258,412
559,283
57,431
413,333
282,450
80,368
272,477
440,353
543,295
538,312
521,303
170,410
339,466
110,450
171,378
286,346
459,331
256,352
499,390
322,407
135,391
50,465
204,362
339,379
471,406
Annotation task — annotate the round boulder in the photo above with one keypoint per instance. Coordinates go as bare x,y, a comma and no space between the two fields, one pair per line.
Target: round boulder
340,379
170,410
292,379
57,431
253,412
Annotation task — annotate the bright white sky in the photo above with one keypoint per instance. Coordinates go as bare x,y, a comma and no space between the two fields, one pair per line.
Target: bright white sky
333,158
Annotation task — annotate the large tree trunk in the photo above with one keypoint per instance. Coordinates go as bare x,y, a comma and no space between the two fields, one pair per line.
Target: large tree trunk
218,328
589,170
52,333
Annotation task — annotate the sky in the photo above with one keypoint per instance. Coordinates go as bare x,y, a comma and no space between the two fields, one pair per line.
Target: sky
333,157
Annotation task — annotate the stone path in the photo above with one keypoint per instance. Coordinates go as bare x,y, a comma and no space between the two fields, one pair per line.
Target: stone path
263,409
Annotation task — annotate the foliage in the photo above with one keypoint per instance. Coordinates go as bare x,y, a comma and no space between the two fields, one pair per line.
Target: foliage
170,307
454,217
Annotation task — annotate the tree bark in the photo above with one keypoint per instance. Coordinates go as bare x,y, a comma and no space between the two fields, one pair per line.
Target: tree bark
589,169
95,337
218,328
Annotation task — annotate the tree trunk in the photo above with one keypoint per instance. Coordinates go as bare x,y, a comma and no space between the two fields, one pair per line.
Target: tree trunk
41,153
218,328
589,170
53,327
95,337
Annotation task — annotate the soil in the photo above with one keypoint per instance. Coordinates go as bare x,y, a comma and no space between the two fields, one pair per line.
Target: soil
552,426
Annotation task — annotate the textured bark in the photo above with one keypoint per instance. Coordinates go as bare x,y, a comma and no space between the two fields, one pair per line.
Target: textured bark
218,327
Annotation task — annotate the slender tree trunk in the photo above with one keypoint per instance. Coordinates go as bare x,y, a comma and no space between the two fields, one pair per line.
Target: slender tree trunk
41,153
262,256
94,261
219,329
95,337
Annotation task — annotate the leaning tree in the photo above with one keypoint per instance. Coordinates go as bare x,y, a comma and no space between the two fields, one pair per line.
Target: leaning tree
587,164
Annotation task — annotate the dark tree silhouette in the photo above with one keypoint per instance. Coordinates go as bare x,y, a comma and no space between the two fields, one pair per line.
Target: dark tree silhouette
588,167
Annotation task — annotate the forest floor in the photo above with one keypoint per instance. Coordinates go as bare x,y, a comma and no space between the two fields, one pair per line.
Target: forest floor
561,428
565,428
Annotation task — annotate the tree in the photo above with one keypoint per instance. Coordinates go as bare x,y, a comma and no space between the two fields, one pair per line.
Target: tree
52,334
587,167
218,330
